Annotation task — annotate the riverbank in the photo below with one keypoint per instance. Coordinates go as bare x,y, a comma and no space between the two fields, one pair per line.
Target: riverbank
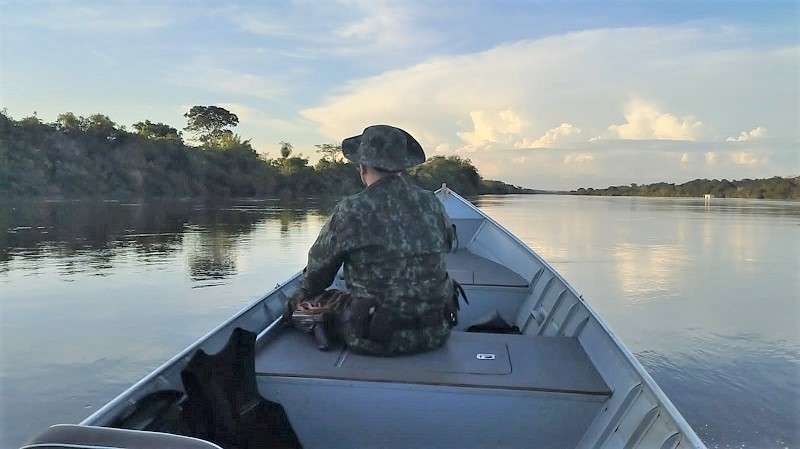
80,157
775,188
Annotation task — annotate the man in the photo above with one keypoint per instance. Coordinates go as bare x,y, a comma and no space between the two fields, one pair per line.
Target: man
392,239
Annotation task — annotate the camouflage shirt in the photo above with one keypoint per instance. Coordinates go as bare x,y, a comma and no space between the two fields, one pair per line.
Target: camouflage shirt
392,239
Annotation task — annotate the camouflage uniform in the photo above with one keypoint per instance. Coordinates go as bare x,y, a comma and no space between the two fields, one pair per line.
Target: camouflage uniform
392,239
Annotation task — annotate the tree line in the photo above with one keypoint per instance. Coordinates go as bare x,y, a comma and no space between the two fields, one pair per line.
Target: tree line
95,157
768,188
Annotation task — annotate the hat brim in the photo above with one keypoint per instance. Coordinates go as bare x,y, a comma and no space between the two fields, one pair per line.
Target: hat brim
350,148
414,154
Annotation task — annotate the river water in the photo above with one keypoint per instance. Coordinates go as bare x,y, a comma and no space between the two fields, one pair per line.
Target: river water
94,295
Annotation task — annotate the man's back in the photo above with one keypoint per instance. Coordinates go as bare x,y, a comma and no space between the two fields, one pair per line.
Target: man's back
395,236
392,239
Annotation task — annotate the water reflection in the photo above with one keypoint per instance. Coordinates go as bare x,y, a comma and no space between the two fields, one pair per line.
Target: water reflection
655,263
707,298
94,237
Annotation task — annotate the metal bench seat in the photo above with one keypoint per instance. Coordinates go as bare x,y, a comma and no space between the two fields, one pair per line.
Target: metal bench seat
528,388
514,362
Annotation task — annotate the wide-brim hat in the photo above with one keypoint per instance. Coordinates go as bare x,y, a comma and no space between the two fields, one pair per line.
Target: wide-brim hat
384,147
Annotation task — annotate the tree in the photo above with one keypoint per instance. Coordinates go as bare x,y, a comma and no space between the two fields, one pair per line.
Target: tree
68,122
286,149
210,123
330,152
458,173
156,130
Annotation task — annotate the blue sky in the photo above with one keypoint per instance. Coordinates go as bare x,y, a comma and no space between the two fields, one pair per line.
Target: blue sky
543,94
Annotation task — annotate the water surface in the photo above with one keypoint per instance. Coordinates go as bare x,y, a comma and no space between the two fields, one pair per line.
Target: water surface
93,296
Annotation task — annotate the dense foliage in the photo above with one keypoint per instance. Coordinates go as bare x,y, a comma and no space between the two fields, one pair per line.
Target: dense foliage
93,156
460,175
772,188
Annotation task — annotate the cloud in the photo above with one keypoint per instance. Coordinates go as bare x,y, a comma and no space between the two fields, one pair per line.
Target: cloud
561,93
111,17
255,24
646,121
758,133
443,148
578,158
574,79
381,23
744,158
507,129
563,133
494,129
208,77
342,28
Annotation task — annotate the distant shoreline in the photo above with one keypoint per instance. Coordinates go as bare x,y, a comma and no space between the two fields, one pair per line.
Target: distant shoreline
775,188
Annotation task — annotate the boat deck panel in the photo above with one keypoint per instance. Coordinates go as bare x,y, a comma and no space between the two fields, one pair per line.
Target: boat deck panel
470,269
521,362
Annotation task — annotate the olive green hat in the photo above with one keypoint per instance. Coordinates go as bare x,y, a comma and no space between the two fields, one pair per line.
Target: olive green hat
384,147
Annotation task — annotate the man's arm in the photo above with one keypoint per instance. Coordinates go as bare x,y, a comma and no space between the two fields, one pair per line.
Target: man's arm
324,258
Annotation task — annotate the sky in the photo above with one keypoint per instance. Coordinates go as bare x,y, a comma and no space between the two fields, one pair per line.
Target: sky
542,94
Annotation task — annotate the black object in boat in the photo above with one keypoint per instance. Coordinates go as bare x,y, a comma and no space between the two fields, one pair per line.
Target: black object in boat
223,404
494,324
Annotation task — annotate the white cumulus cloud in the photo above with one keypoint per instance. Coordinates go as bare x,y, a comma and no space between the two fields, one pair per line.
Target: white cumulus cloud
758,133
578,158
564,133
562,93
646,121
492,129
744,158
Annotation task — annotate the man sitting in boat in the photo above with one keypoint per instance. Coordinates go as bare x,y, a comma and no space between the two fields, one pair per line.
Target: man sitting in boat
392,239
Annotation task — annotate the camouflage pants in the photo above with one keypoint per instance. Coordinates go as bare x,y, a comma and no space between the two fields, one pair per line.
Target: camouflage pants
347,328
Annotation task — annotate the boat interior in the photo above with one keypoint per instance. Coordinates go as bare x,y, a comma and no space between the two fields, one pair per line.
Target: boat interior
524,385
557,379
560,382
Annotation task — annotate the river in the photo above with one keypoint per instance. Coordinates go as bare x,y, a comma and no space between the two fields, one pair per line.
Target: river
94,295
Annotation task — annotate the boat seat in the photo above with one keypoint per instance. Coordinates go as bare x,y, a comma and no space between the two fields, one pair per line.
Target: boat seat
91,437
458,396
471,360
470,269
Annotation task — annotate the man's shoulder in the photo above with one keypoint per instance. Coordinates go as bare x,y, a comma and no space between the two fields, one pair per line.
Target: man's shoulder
423,196
419,190
394,193
351,203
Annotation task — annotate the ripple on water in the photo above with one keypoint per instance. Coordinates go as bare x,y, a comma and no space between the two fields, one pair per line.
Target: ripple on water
733,388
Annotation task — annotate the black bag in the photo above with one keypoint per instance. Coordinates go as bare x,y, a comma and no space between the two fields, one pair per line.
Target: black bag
494,324
223,404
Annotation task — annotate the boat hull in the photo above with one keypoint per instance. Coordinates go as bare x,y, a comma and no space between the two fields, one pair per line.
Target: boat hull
566,382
